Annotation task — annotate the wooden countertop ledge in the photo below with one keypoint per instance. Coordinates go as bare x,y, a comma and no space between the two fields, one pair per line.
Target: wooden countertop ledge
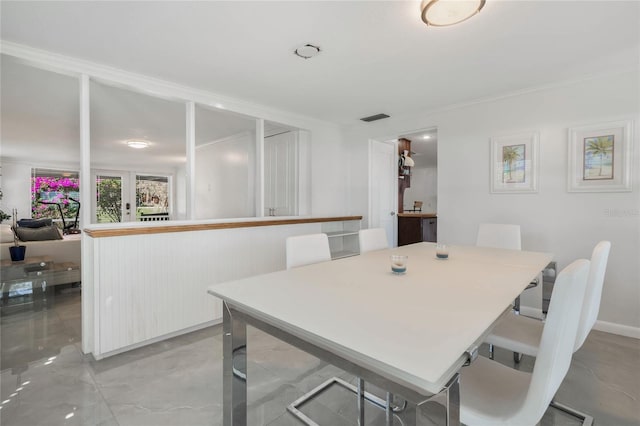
187,227
423,215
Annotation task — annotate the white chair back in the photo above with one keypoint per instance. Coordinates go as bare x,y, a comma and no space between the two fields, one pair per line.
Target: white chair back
307,249
591,306
499,236
372,239
558,338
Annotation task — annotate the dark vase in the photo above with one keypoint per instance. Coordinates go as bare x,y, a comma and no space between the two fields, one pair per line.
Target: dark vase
17,253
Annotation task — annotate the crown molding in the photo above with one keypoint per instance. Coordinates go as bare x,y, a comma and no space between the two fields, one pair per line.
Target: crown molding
225,139
391,122
539,88
153,86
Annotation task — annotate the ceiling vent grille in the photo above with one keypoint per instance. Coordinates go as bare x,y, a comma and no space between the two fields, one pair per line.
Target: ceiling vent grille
374,117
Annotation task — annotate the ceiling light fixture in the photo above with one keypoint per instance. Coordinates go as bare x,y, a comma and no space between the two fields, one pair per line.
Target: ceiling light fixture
426,137
137,144
441,13
307,51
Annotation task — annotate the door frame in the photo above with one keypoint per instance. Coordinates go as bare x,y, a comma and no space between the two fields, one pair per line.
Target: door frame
394,202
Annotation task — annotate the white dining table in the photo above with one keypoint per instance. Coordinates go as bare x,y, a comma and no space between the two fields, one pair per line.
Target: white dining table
409,334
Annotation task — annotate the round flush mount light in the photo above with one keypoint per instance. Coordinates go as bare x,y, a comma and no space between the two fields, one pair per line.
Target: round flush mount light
137,144
307,51
442,13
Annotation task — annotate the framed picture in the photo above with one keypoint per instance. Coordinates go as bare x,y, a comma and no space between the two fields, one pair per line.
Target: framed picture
514,163
600,157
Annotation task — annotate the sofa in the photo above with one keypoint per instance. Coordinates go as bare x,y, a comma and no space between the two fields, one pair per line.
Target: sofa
62,250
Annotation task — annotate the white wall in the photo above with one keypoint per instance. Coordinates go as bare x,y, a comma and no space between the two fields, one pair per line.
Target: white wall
424,187
567,224
16,189
225,178
329,169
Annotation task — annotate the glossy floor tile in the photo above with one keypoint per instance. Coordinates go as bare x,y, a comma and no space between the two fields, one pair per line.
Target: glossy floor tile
45,379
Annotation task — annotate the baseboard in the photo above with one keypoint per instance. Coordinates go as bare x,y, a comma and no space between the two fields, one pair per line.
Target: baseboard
158,339
619,329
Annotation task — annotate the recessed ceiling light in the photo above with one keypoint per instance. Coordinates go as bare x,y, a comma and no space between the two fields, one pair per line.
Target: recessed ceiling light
441,13
307,51
426,137
137,144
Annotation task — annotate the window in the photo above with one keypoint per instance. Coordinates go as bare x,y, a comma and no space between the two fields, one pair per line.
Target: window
55,194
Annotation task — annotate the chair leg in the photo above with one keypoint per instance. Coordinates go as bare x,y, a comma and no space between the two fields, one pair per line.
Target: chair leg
358,390
388,411
587,420
516,306
517,357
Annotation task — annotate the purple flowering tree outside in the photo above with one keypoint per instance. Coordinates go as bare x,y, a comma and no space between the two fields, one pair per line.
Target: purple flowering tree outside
54,190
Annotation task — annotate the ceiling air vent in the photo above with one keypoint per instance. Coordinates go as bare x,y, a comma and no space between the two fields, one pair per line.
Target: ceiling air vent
375,117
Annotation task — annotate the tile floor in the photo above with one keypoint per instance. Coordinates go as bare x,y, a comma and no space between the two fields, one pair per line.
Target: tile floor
45,379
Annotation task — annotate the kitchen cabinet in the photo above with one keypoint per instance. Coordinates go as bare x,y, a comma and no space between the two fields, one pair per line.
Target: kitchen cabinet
417,227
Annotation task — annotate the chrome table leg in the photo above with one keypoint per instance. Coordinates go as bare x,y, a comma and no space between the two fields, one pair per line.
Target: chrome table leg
234,386
360,402
453,401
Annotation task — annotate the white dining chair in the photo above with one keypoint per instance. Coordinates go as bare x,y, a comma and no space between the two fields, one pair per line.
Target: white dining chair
300,250
372,239
493,394
307,249
522,334
304,250
504,236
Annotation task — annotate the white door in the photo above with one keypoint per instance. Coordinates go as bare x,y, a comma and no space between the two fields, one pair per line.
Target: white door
110,203
383,188
129,196
280,174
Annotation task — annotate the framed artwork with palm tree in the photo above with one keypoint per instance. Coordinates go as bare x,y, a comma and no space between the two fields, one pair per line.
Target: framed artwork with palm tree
600,157
514,163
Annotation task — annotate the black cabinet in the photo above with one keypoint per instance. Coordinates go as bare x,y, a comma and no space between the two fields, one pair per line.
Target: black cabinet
415,228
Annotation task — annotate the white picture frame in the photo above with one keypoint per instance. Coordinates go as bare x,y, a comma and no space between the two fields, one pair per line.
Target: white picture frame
600,157
514,163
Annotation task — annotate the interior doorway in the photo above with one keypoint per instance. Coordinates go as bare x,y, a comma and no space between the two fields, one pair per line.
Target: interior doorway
403,181
418,187
423,174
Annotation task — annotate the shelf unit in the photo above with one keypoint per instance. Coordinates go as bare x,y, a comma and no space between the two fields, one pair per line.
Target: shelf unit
343,238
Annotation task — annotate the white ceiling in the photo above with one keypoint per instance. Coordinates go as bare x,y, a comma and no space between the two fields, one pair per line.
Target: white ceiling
377,56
